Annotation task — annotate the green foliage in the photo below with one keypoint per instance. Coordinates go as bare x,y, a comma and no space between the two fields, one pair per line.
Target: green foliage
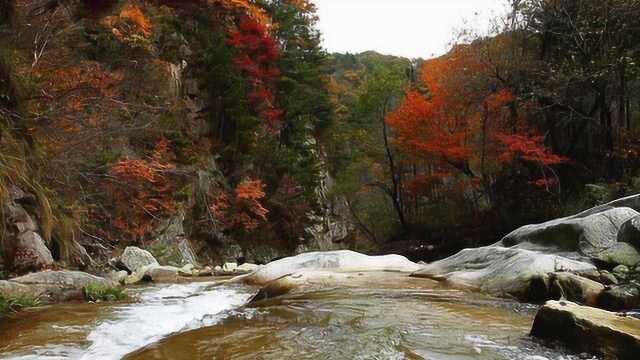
14,304
98,292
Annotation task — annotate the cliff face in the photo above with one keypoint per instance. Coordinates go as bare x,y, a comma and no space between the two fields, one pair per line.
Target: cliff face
147,123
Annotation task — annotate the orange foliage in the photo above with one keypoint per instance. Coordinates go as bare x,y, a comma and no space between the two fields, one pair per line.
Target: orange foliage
528,148
141,193
245,210
135,16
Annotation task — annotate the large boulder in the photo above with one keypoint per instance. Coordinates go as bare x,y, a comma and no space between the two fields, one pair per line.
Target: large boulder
332,261
134,259
52,286
630,232
587,233
587,329
621,253
30,250
500,271
622,297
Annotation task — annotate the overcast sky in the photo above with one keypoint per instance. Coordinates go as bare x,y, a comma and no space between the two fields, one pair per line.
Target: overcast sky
410,28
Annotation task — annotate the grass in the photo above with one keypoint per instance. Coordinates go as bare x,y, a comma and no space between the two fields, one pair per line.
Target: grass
97,292
14,304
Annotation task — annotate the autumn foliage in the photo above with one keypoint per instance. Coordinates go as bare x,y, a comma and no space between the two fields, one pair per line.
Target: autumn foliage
256,58
141,190
243,210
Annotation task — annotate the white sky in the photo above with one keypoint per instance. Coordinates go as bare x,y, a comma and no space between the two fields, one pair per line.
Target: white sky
410,28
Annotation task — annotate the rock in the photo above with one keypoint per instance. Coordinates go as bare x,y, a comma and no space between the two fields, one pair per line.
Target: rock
622,297
161,274
187,270
52,286
118,276
587,233
620,271
207,271
609,335
134,259
217,269
247,268
230,267
171,245
630,232
607,278
329,262
575,288
31,252
501,271
619,254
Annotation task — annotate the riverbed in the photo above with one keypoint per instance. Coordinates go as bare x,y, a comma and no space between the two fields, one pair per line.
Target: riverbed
398,318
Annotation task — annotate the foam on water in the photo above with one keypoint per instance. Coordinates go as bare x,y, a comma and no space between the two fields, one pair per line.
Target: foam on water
160,313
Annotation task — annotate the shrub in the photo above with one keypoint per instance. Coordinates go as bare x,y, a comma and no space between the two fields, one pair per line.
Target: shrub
97,292
12,304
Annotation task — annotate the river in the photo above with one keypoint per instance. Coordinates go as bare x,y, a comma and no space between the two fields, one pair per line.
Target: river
403,319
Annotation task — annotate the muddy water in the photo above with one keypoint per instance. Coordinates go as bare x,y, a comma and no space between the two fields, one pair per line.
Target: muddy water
390,319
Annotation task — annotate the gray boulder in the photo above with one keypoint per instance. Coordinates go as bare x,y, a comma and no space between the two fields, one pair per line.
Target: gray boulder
31,252
161,274
621,253
343,261
134,259
52,286
587,233
630,232
500,271
609,335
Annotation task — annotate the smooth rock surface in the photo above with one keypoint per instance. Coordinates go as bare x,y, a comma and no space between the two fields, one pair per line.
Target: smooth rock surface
497,270
587,233
621,253
622,297
329,262
630,232
52,286
587,329
134,259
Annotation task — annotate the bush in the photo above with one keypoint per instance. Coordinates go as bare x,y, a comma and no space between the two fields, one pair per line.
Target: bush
14,304
97,292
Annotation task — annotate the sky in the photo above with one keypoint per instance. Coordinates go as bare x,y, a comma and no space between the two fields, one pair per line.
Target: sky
409,28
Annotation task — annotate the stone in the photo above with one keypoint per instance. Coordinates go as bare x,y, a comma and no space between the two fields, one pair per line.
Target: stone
587,233
171,245
118,276
218,268
342,261
187,270
161,274
630,232
609,335
52,286
247,268
607,278
134,259
622,297
621,253
230,267
31,252
500,271
621,271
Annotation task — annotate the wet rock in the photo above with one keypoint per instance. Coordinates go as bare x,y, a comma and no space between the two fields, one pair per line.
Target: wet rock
621,271
52,286
161,274
501,271
619,254
622,297
609,335
229,267
247,268
607,278
630,232
333,261
575,288
187,270
134,259
587,233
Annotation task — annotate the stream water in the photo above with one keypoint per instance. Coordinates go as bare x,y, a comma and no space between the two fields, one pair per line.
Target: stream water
405,319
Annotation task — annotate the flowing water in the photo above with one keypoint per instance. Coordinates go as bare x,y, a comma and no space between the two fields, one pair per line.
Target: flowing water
391,319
